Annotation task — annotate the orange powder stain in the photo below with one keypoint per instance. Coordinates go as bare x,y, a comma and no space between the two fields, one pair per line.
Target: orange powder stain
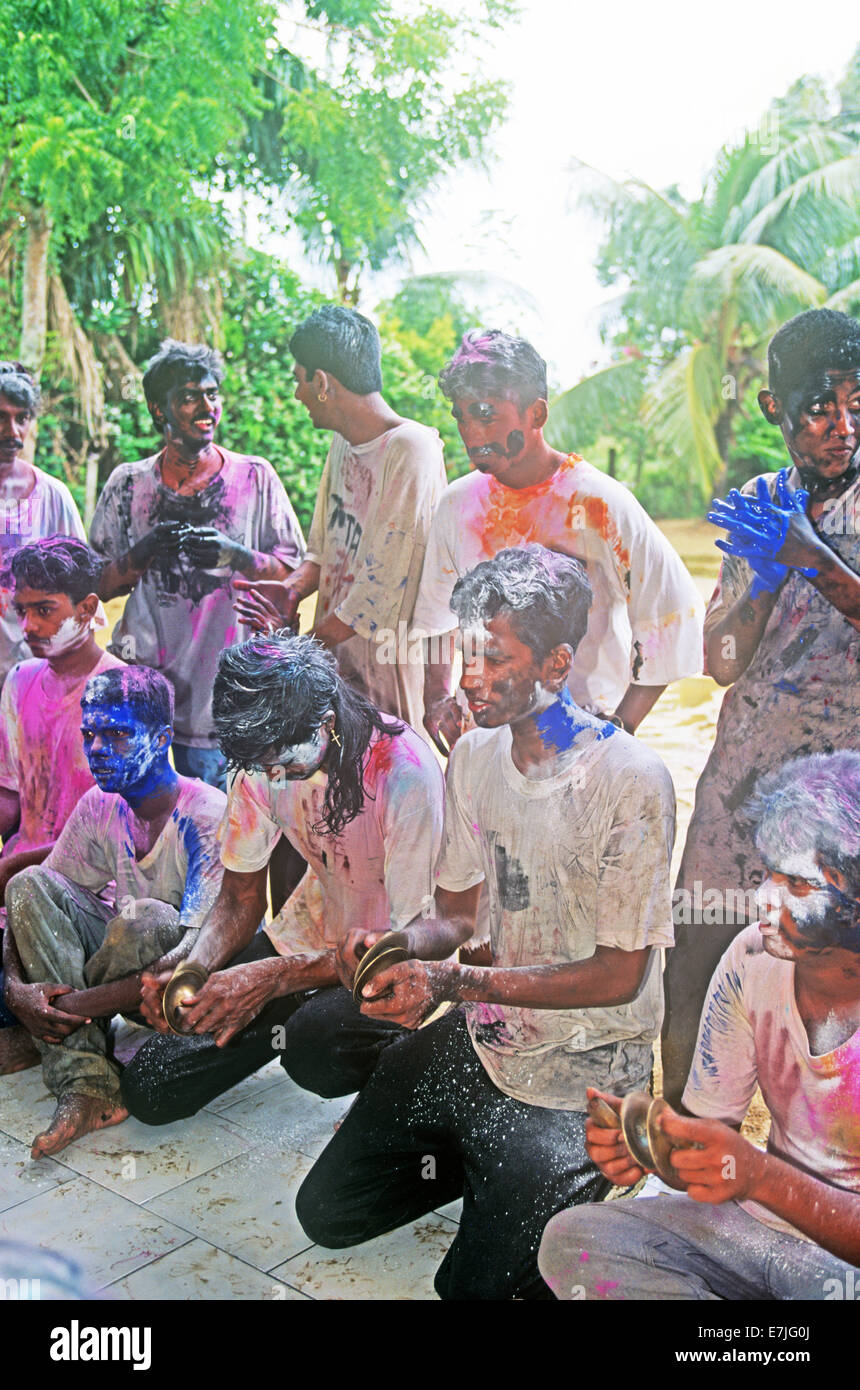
594,512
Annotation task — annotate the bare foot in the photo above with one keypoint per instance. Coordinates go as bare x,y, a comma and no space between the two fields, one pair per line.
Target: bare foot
74,1117
17,1050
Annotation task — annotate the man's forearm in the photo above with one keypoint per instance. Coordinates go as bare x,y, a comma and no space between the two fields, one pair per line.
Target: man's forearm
331,631
635,703
438,666
292,974
13,970
828,1215
120,576
305,580
235,916
254,564
838,584
593,983
731,645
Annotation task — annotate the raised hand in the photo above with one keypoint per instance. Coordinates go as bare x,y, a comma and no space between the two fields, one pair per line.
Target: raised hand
266,604
759,528
208,548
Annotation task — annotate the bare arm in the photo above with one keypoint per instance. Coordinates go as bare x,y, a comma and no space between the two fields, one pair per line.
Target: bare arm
332,631
731,644
235,915
443,718
10,810
635,703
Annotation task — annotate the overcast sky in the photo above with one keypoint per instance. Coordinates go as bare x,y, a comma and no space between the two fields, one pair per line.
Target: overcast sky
650,90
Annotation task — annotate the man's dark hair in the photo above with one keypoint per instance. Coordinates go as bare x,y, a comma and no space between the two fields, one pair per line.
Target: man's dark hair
342,342
491,363
148,694
19,386
819,338
57,565
811,806
273,693
544,595
175,363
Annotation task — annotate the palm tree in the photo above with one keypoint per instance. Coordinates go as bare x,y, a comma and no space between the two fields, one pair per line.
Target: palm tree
705,283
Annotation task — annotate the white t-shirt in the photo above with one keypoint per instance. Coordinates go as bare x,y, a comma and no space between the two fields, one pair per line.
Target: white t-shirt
183,868
572,862
751,1034
41,750
379,872
371,521
48,511
178,618
645,622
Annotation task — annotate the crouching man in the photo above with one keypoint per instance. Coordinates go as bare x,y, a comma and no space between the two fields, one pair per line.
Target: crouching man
570,821
73,958
783,1013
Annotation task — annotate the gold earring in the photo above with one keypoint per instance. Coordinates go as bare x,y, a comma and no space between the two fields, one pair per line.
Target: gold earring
321,396
335,738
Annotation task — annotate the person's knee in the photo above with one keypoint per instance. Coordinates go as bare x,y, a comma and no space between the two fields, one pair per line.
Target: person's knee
305,1055
146,1097
321,1220
26,888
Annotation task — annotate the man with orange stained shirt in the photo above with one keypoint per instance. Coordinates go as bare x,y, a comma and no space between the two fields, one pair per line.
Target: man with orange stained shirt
645,625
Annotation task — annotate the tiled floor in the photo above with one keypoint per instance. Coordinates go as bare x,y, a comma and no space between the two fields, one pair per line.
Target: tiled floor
201,1209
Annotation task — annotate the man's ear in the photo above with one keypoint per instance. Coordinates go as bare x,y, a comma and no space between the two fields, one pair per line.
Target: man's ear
770,407
323,384
157,415
539,413
557,667
88,607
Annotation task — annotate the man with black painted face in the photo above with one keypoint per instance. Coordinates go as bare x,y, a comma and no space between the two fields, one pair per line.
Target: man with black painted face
175,529
569,822
644,628
72,958
784,632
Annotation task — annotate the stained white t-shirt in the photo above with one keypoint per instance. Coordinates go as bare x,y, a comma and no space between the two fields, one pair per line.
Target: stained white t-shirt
379,872
179,618
572,862
41,750
645,622
183,868
49,511
370,526
751,1034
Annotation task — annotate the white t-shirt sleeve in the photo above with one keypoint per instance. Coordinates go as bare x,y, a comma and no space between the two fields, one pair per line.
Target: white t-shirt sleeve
108,536
8,730
80,850
432,611
65,519
634,898
279,532
724,1074
664,605
461,865
395,534
248,833
412,821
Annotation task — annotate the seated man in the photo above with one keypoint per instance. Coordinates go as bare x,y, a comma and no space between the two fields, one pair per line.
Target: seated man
570,822
360,798
151,833
43,770
783,1013
645,626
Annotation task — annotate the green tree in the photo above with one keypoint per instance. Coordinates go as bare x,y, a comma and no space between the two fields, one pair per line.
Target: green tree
705,283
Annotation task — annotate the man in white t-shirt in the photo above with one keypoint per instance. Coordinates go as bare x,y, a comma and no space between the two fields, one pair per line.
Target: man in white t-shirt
645,625
71,959
359,797
43,770
32,503
782,1013
382,480
175,529
570,823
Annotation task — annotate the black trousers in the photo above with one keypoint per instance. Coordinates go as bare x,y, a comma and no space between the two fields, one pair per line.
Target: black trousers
430,1126
172,1077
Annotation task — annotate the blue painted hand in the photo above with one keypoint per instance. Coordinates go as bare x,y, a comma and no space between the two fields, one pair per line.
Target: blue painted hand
757,528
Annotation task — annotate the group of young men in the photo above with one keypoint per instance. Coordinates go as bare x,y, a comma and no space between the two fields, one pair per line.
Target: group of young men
529,886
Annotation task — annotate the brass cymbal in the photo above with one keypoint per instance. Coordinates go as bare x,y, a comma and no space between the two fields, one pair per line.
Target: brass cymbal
390,949
186,980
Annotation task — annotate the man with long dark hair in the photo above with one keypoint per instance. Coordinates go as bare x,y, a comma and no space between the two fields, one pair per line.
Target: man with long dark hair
360,797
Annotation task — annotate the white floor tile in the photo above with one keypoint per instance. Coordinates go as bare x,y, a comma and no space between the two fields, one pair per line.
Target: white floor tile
26,1104
272,1074
139,1161
21,1177
199,1271
400,1265
246,1207
107,1236
290,1116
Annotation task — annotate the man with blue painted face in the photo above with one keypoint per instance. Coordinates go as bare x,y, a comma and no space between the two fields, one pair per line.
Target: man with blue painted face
72,960
569,821
782,1013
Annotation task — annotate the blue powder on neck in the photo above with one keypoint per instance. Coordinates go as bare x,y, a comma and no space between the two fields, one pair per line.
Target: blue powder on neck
557,725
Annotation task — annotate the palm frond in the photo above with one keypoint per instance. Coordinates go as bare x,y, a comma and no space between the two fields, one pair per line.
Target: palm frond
578,416
680,408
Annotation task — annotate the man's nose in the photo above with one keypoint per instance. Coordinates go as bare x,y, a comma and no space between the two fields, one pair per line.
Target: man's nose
845,423
768,897
97,743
